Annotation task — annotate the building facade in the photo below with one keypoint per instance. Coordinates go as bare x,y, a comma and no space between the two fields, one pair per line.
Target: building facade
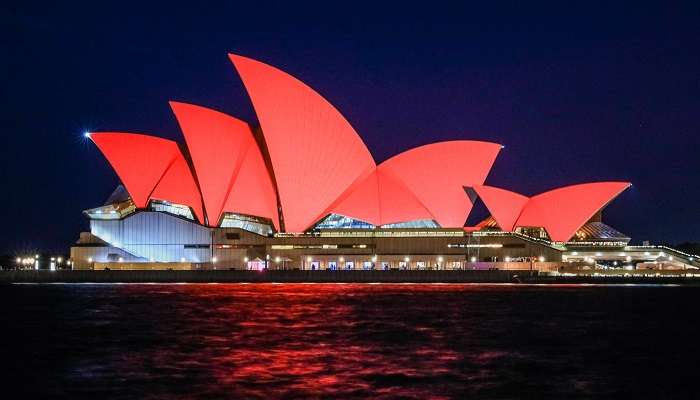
301,190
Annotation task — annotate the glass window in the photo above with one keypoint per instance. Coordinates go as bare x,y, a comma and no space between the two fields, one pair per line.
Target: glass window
171,208
248,223
337,221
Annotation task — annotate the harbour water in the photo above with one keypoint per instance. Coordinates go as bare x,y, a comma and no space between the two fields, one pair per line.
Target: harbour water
349,341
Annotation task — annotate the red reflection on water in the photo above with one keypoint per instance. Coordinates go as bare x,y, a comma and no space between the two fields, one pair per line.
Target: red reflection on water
338,341
321,340
296,344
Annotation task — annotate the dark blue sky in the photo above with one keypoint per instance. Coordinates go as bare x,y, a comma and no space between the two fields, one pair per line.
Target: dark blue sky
575,93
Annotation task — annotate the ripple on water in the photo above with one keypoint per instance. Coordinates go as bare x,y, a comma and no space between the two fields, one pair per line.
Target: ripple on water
334,341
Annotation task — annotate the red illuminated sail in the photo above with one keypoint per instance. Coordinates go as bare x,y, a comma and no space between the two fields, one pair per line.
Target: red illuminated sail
316,155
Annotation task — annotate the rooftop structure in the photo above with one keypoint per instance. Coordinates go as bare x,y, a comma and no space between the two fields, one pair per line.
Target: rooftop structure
304,176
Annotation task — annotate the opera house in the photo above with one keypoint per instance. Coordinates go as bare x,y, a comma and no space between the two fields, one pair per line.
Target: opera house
301,191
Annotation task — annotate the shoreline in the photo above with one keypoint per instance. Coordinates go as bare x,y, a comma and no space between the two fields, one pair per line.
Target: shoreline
296,276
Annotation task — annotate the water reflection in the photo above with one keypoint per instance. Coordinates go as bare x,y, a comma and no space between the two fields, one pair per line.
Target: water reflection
334,341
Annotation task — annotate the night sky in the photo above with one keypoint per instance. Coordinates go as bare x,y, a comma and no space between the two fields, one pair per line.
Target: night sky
575,93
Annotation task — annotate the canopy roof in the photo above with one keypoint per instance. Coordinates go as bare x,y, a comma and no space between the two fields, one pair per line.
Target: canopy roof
309,162
561,212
